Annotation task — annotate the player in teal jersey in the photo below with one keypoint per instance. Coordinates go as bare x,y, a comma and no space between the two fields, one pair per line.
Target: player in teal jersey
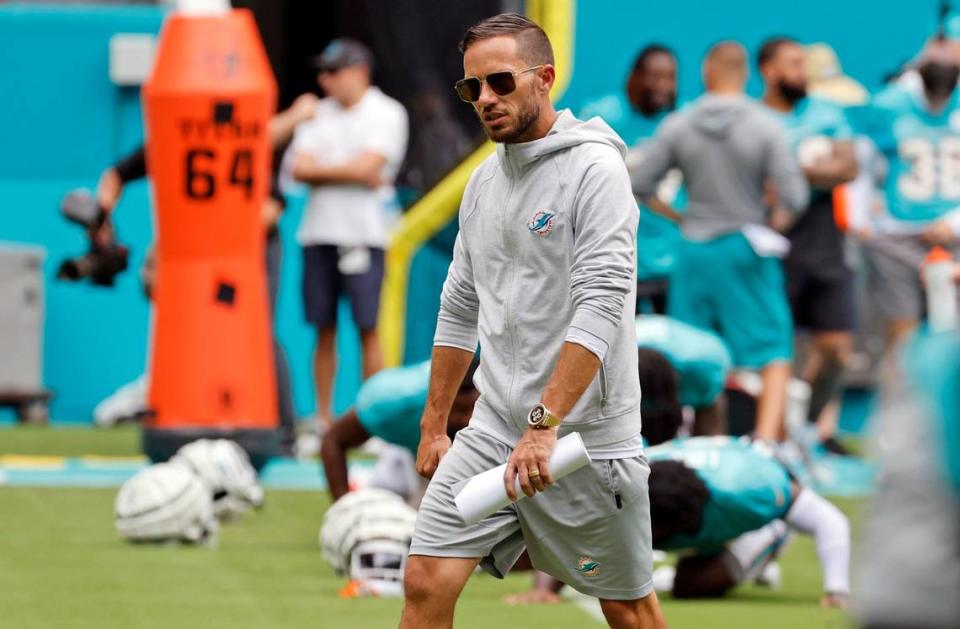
635,114
728,505
726,276
650,94
746,488
733,516
680,365
919,134
389,406
819,284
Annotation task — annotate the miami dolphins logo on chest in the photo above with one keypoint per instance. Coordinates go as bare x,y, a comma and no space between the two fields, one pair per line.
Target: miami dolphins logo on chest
542,222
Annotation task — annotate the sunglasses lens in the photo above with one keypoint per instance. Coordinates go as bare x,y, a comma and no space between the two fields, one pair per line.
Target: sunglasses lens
501,82
468,89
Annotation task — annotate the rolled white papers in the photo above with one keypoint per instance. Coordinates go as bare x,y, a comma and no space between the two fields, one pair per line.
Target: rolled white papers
485,494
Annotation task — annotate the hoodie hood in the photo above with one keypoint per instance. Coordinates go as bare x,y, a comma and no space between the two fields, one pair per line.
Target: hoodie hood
567,131
716,114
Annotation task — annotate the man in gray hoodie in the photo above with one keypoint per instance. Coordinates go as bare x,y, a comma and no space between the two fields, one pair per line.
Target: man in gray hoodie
735,159
543,277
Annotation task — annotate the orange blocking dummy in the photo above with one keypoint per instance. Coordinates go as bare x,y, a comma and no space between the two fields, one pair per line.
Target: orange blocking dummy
208,103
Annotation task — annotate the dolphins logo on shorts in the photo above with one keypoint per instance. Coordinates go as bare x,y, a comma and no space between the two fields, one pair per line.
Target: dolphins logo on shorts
542,222
588,567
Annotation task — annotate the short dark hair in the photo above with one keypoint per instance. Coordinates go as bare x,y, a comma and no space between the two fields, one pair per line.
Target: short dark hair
660,407
677,500
770,48
639,64
532,42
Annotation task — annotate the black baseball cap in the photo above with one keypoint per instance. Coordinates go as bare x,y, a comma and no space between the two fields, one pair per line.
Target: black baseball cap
342,53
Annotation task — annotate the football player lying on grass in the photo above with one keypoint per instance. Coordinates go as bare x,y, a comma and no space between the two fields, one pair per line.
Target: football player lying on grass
727,507
389,406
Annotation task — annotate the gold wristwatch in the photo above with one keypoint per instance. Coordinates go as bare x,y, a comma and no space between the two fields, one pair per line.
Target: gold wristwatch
540,418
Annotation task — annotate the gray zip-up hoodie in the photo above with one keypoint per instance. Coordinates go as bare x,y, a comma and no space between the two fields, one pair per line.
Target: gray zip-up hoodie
726,146
546,254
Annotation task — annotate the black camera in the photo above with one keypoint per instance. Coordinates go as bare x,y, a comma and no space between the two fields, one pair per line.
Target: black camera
106,258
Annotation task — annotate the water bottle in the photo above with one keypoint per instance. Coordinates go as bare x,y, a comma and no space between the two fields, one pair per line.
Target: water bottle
941,290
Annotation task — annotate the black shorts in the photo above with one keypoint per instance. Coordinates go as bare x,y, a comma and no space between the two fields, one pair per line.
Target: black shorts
821,298
324,281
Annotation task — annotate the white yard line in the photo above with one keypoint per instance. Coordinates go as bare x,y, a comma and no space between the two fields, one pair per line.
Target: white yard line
588,604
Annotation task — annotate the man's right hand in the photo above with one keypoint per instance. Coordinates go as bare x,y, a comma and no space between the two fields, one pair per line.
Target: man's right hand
429,453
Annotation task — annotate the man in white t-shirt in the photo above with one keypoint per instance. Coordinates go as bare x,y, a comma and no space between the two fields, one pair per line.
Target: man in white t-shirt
349,154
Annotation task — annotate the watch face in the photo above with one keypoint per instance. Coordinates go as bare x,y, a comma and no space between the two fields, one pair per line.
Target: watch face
536,415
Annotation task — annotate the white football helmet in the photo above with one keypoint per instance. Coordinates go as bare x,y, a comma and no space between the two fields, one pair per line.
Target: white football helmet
165,503
366,536
225,469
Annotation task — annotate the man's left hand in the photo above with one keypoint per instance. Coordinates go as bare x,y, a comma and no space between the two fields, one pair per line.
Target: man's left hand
530,462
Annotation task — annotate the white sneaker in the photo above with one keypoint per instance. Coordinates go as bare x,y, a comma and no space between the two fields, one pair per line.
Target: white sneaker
663,578
770,576
374,446
307,446
125,404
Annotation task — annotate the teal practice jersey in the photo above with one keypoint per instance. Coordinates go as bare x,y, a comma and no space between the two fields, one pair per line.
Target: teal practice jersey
390,404
922,149
657,237
812,126
748,488
615,109
699,356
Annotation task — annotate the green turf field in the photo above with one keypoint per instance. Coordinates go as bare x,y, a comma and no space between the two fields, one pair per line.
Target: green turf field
61,565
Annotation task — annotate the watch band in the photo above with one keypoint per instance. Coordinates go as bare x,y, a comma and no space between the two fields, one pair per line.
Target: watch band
540,418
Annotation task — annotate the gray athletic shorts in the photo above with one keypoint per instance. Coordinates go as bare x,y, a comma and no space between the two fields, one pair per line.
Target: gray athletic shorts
893,274
591,529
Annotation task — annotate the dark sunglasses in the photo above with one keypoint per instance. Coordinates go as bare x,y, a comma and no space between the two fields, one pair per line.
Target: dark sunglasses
502,83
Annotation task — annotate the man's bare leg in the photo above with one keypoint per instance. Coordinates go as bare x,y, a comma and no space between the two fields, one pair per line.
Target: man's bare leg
897,329
773,401
832,354
643,613
827,348
372,356
324,367
545,591
431,587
